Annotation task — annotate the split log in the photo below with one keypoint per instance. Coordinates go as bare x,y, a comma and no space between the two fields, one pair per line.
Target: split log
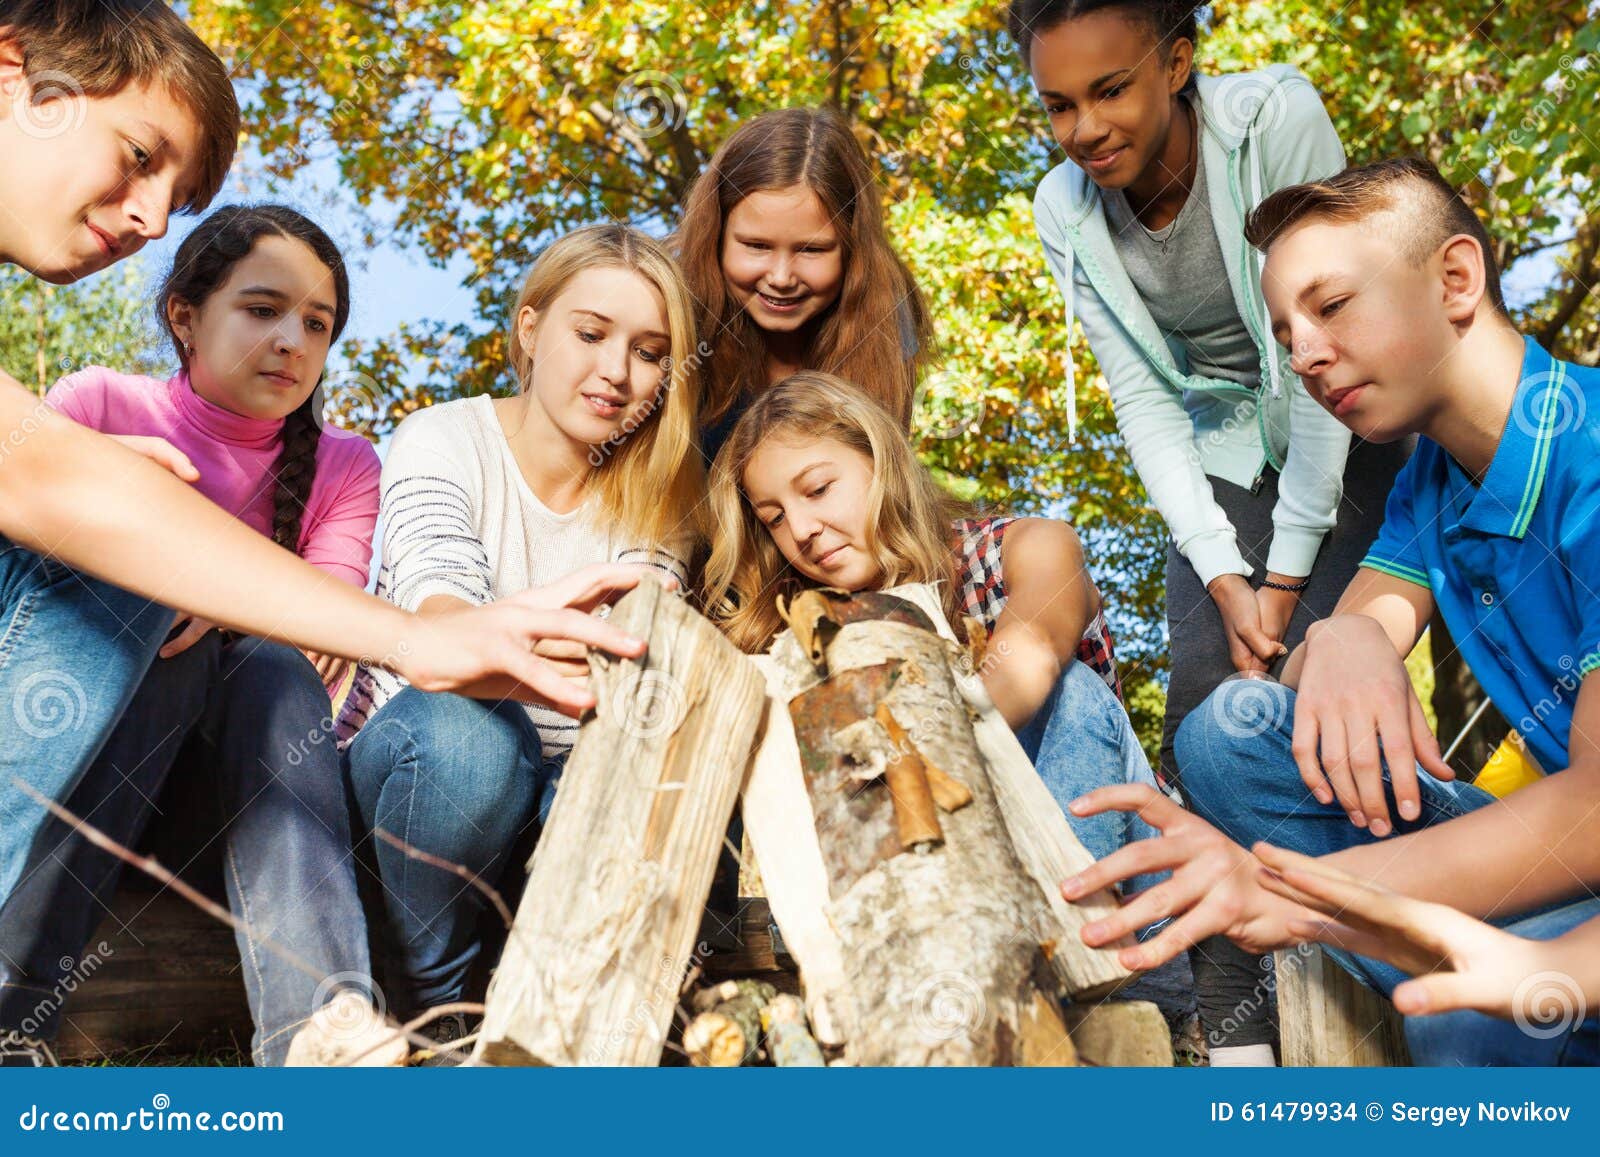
1329,1019
605,931
943,954
1121,1034
781,828
1044,840
727,1031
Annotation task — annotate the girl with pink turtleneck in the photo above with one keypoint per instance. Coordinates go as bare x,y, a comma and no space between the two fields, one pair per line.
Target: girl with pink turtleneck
256,297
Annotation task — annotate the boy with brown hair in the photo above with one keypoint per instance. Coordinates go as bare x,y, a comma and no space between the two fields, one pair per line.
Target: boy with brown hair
1381,282
113,116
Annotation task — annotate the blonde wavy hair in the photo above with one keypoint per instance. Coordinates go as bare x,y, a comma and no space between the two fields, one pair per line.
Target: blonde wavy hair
909,520
647,479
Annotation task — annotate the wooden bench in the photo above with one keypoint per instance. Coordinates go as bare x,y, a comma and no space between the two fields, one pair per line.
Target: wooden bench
1329,1019
169,982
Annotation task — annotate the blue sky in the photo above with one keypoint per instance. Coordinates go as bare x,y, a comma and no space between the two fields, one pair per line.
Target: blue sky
389,283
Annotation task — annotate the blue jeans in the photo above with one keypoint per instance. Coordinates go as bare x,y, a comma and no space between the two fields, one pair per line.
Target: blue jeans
1240,774
249,720
72,651
1081,739
460,779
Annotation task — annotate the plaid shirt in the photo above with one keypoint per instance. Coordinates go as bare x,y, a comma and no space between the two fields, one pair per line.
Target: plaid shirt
983,594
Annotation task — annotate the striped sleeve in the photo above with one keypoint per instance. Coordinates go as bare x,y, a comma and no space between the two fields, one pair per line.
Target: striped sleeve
431,544
665,560
1398,551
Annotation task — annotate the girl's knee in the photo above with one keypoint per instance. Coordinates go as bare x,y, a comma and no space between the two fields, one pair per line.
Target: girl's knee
471,762
258,667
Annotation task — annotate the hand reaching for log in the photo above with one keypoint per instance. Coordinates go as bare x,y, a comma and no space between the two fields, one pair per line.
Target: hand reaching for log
490,651
1456,962
1216,886
570,658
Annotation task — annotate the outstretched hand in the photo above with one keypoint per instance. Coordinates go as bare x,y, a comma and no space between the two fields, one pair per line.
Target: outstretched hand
487,652
1456,961
1215,886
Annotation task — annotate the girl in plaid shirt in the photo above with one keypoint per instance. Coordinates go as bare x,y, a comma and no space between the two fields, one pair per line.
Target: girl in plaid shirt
817,486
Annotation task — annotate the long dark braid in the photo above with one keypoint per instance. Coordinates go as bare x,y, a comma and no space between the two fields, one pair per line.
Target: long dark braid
296,469
203,262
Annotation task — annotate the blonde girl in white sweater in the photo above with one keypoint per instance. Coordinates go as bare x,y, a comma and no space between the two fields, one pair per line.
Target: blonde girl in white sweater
591,461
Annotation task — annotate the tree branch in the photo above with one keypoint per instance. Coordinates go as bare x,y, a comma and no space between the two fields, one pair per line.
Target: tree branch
1583,273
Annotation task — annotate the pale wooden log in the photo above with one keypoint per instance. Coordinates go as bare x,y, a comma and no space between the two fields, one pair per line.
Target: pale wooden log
1329,1019
1044,840
1121,1034
781,829
789,1042
944,948
605,931
728,1034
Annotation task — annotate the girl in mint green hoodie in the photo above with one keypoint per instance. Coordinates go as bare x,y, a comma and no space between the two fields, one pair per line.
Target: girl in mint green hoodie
1269,507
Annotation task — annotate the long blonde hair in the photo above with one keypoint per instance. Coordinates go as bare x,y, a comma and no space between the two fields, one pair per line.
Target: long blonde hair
909,518
863,336
648,479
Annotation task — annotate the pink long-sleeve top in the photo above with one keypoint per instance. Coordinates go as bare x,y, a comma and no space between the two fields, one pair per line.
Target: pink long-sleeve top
235,456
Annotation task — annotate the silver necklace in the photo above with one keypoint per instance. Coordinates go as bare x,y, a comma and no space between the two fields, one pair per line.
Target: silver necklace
1164,234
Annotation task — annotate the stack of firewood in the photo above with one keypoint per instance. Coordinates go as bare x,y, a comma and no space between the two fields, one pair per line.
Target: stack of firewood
908,850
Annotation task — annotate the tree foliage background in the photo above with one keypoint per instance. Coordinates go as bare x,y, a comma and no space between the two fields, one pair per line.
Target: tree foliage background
47,331
492,126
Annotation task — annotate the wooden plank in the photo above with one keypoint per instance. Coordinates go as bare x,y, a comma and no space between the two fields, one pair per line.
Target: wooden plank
169,975
1329,1019
606,929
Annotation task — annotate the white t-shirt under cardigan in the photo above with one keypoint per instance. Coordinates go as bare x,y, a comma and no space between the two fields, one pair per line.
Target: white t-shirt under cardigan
458,519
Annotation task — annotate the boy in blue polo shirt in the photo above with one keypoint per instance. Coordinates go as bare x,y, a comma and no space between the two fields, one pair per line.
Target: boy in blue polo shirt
1382,284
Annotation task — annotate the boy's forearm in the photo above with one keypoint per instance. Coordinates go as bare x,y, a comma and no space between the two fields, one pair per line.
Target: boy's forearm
95,505
1537,846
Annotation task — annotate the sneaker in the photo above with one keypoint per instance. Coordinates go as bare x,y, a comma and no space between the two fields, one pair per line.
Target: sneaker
444,1031
25,1052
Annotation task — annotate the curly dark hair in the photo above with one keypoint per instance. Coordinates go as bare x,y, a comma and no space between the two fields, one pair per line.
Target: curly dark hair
1168,22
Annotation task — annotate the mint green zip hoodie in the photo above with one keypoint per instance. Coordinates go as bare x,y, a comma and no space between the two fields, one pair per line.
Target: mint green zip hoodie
1261,131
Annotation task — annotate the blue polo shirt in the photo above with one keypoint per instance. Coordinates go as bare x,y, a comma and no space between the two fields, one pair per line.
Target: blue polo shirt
1514,564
